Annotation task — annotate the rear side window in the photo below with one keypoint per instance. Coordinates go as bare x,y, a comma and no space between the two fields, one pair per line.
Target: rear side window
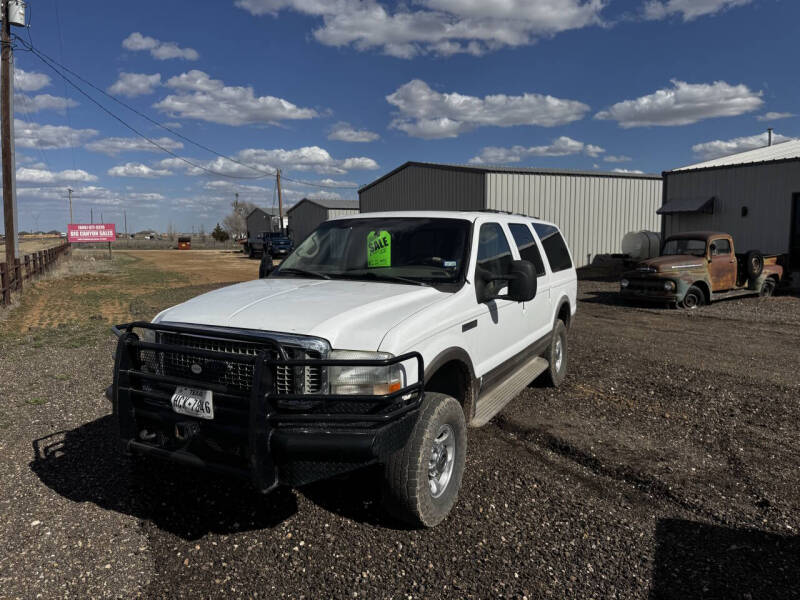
494,253
528,250
554,247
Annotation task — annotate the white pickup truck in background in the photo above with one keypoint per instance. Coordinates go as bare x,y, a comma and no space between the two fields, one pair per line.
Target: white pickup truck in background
378,340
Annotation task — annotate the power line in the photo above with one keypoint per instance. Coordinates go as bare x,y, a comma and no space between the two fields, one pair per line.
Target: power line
61,55
47,59
136,131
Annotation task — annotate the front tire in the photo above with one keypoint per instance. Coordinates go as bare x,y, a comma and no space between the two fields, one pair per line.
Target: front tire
557,356
694,298
422,479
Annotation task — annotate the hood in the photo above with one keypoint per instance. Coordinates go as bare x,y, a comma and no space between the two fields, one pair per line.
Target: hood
351,315
666,264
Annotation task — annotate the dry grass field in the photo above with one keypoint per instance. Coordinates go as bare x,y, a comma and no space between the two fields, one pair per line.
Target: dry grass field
32,245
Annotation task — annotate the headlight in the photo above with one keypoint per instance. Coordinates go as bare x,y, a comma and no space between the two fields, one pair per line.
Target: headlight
669,286
364,381
624,283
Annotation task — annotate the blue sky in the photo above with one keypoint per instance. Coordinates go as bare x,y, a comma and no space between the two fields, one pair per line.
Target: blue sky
339,92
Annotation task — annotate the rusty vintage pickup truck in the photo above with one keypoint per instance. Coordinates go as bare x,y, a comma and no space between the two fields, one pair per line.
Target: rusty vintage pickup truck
698,267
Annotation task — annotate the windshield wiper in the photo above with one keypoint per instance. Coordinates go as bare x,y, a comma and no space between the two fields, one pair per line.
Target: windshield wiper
295,271
376,277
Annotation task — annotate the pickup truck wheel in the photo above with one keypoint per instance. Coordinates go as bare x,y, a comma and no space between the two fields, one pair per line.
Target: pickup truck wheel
754,264
557,356
694,298
422,479
767,288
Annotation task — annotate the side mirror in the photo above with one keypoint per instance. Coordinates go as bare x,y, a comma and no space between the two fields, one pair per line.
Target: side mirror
521,278
266,267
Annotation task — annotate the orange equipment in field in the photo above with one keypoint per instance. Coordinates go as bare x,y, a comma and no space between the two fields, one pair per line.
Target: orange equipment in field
184,243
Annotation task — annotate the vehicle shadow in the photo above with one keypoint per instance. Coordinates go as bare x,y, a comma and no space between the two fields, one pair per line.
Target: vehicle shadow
84,465
696,560
616,299
356,496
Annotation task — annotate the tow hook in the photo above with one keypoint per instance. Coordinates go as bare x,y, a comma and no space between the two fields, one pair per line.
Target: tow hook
186,430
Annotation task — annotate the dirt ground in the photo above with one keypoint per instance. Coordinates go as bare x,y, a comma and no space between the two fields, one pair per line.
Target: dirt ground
667,466
34,245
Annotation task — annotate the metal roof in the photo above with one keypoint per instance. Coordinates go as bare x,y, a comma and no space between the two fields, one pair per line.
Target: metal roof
784,151
330,203
505,169
688,205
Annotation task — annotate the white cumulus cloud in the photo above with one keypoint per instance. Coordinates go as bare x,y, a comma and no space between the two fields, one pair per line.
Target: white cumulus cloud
617,159
774,116
39,102
137,170
200,97
443,27
308,158
115,145
135,84
45,177
344,132
49,137
630,171
562,146
158,49
684,104
425,113
688,9
719,148
29,81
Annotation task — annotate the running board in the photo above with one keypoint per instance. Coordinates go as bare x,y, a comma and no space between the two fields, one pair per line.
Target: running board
493,401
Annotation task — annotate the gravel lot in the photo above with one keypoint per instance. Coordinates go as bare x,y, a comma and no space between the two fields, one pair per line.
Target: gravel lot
667,467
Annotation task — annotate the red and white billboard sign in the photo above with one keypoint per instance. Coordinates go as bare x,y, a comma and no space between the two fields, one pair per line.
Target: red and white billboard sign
96,232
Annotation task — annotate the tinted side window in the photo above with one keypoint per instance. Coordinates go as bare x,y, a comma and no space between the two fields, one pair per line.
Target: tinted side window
554,247
528,250
494,253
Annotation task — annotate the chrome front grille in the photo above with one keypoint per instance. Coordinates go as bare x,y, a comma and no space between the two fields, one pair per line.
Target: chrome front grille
238,375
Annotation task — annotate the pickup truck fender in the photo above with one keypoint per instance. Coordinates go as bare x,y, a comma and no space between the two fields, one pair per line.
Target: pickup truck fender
451,372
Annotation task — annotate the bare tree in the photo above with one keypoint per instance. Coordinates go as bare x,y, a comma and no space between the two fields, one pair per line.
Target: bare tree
236,222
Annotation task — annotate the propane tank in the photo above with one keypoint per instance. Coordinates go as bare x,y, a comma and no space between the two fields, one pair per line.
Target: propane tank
641,245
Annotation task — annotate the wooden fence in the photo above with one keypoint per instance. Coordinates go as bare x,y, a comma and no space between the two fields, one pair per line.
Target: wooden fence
30,266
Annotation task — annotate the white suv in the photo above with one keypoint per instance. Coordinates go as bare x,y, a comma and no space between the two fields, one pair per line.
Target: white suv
378,340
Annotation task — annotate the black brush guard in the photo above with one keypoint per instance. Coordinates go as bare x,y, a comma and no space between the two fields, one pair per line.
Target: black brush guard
271,438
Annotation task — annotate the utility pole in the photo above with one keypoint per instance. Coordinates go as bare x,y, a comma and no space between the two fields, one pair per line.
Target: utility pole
280,200
7,134
91,216
125,215
70,190
769,136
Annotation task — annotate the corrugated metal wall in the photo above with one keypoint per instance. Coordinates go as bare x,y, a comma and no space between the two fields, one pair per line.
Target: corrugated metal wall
306,217
594,213
766,191
426,188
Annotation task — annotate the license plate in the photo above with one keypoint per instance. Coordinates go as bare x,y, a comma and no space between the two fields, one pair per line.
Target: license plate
193,402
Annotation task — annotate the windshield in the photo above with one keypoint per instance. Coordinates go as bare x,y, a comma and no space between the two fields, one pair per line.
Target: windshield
397,249
684,246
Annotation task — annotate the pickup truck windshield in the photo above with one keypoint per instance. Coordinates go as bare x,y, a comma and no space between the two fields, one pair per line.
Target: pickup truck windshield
684,246
397,249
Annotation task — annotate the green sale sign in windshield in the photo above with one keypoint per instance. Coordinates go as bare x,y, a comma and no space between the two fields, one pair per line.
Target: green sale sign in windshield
379,249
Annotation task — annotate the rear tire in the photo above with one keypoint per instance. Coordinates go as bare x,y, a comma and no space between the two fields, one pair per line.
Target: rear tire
694,298
557,356
754,264
422,479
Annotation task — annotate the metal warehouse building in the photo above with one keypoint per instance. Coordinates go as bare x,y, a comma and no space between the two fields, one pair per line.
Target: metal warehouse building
754,196
306,215
594,209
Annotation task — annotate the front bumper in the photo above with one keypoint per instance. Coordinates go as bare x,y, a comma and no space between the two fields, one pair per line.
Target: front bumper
267,437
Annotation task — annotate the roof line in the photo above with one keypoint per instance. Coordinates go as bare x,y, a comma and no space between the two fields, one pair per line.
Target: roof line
680,170
512,170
